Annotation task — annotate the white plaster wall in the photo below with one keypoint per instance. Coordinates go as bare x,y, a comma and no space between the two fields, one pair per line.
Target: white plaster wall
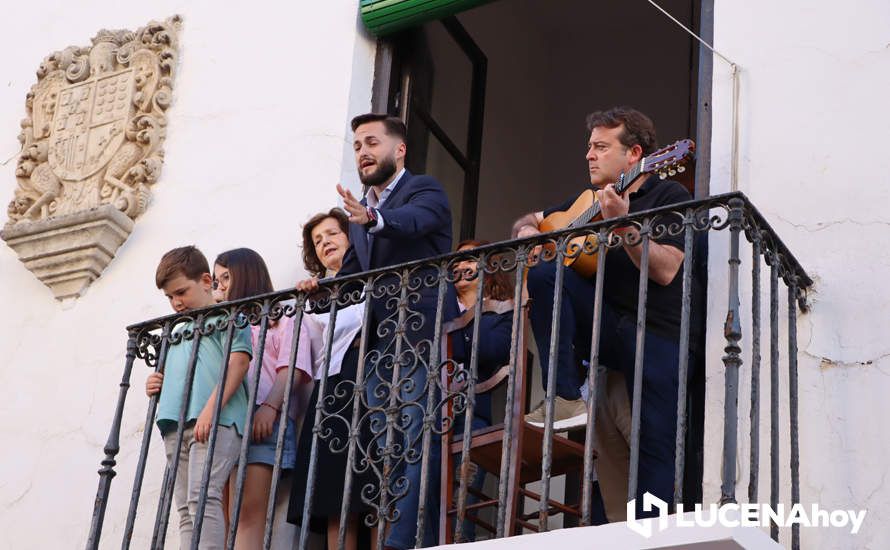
813,132
258,137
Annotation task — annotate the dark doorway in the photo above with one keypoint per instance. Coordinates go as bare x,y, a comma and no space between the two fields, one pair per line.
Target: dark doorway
545,72
437,86
503,91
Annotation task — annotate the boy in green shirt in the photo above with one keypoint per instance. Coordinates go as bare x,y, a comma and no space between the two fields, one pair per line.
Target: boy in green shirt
184,276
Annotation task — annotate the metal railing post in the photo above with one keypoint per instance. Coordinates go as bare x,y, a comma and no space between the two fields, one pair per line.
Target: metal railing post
683,359
517,353
732,331
146,439
639,350
793,404
774,389
112,447
754,466
432,376
595,379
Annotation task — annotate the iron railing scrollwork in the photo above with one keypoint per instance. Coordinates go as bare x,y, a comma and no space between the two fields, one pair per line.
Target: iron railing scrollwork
401,402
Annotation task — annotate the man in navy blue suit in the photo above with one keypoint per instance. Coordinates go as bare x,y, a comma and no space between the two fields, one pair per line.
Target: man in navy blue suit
404,217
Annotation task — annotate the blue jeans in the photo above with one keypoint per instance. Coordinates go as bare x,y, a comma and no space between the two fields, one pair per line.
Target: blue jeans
406,445
575,323
658,416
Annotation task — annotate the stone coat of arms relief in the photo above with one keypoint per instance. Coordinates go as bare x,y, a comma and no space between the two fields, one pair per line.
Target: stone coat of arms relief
92,147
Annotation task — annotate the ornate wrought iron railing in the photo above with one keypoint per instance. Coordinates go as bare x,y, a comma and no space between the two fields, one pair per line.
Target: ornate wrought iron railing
407,369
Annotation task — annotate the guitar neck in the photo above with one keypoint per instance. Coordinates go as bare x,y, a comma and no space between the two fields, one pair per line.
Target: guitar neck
621,186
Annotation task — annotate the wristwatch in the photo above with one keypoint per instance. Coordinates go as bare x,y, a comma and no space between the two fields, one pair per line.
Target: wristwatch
372,218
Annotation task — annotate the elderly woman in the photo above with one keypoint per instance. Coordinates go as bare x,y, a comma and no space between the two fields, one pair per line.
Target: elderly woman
325,240
496,324
493,349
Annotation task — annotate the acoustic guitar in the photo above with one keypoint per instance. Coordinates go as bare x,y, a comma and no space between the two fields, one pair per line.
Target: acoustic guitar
667,161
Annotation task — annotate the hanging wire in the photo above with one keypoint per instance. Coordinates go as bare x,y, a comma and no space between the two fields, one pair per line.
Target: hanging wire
734,72
734,143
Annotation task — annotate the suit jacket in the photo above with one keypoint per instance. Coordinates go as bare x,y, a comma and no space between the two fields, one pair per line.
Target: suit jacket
495,331
417,225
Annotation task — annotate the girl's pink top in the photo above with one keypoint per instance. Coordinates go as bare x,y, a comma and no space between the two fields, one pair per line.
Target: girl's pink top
276,356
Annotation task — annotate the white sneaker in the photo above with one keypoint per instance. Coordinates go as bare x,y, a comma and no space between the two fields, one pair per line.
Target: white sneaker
567,415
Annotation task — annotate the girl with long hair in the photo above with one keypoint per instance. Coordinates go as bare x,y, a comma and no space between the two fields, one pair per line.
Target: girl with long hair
242,273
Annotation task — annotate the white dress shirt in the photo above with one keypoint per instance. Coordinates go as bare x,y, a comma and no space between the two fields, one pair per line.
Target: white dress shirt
347,327
375,202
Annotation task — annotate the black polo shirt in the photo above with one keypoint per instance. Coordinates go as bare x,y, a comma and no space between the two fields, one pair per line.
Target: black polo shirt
622,277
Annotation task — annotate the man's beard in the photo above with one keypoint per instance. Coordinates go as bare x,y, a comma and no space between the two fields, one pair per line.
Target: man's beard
386,168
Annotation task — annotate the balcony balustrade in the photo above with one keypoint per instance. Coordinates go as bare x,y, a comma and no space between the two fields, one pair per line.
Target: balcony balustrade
401,403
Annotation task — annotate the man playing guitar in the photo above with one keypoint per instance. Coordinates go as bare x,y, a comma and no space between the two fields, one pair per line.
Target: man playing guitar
619,139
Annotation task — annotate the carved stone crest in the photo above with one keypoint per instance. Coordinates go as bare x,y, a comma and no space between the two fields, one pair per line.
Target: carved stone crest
92,147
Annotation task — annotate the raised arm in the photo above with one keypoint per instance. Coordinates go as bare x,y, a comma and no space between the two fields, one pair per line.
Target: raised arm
425,210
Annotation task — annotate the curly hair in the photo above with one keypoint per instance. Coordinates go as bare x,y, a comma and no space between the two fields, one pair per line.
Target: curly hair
638,128
310,259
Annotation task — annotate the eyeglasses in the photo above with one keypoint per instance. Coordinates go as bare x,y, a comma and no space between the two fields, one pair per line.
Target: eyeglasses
216,282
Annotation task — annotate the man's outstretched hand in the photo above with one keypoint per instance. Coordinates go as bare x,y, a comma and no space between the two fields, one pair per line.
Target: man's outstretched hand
358,213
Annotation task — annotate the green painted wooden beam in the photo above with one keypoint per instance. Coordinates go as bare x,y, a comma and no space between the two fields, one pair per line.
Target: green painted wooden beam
383,17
